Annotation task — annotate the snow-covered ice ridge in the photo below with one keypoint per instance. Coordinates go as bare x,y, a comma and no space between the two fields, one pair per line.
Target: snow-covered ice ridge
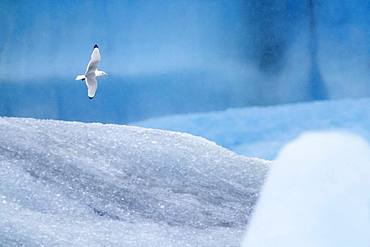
263,131
76,184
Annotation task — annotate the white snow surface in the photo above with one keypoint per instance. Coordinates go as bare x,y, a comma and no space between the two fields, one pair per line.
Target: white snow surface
316,194
263,131
76,184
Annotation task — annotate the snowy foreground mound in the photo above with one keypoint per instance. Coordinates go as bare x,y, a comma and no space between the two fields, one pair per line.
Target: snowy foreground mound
74,184
316,195
263,131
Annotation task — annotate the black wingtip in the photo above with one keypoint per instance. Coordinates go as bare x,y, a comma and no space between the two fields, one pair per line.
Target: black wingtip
96,46
91,97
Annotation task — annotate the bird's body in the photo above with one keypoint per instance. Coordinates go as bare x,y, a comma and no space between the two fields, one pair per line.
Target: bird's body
92,72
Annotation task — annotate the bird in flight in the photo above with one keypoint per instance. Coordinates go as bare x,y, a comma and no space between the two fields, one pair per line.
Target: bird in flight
91,73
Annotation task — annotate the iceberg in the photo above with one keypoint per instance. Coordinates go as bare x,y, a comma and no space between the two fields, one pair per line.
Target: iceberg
316,194
78,184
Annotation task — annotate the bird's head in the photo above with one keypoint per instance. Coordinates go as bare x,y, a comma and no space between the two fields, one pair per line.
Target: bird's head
100,73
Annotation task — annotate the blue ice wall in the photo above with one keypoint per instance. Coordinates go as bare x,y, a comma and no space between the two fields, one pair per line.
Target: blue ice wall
136,37
167,57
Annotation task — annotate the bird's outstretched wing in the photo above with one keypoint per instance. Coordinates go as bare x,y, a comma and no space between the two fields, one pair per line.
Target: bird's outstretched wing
94,61
92,85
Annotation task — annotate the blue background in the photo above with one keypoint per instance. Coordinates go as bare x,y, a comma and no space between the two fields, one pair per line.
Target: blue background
170,57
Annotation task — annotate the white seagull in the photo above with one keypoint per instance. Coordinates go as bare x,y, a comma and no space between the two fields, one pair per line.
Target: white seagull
92,72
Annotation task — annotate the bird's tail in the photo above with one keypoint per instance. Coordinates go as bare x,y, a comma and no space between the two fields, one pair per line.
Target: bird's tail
80,77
